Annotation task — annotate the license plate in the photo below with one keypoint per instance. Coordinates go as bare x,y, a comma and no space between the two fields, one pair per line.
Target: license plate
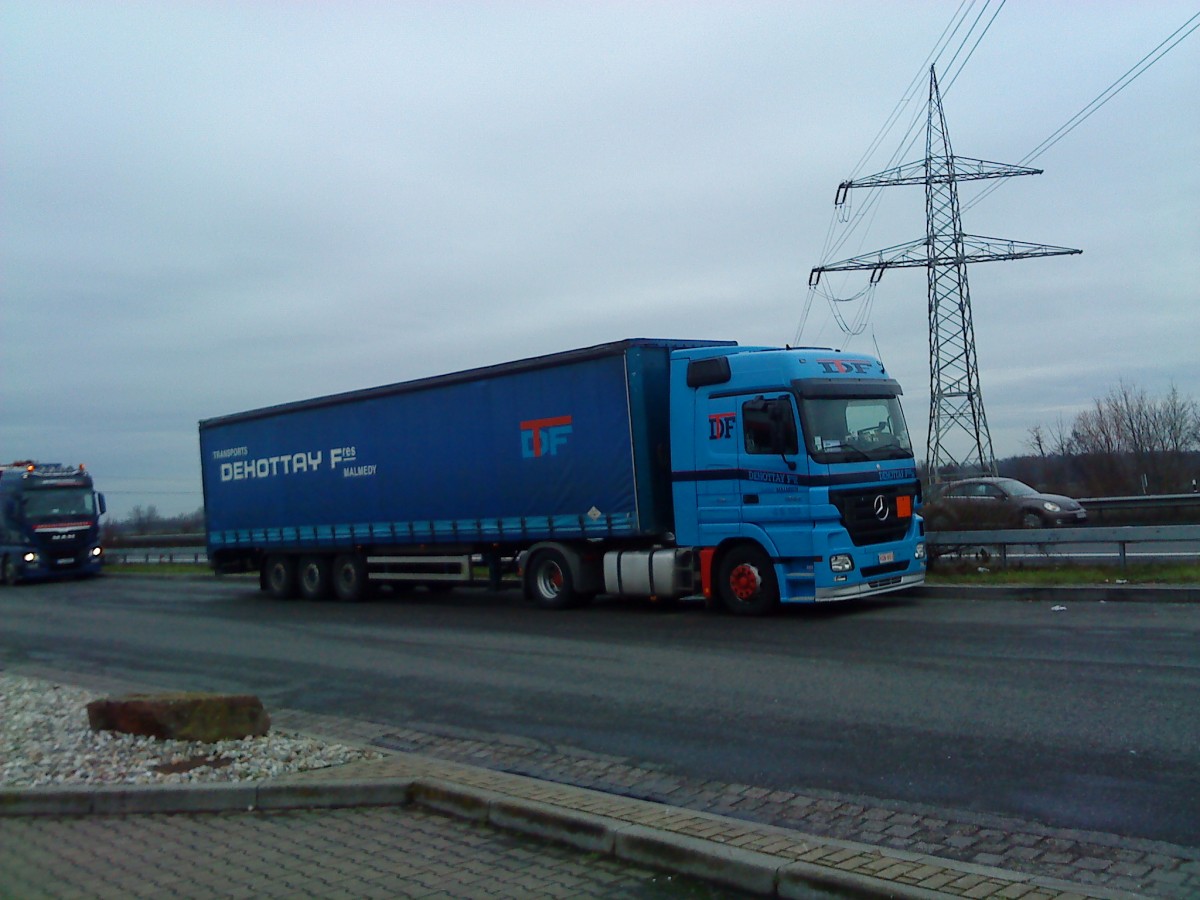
65,561
887,557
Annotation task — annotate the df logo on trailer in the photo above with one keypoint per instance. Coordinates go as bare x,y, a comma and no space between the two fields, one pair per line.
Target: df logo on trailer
543,437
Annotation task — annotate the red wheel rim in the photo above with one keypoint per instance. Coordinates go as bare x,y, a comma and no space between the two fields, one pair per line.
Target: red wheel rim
744,581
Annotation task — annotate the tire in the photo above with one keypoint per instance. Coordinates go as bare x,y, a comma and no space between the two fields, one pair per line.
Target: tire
315,577
746,581
350,584
279,577
8,573
1032,520
548,581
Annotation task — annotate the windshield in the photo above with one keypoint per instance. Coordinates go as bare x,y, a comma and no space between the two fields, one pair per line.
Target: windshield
853,429
53,502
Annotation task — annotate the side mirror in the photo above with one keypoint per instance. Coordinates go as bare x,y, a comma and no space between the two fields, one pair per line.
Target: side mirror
100,504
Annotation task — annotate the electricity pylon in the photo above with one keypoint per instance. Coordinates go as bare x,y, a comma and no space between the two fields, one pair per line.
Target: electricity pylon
956,415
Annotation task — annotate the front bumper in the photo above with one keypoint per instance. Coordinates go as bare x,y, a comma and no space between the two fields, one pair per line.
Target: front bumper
870,588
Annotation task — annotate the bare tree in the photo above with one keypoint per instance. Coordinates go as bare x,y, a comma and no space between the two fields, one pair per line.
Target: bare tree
1128,442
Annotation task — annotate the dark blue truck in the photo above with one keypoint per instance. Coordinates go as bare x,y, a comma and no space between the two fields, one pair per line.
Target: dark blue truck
49,522
654,468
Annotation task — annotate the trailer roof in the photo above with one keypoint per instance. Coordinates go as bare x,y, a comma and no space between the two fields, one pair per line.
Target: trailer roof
566,357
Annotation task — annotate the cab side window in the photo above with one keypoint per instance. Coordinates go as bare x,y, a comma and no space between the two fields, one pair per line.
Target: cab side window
769,426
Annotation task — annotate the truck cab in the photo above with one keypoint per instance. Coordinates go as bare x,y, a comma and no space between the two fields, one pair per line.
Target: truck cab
49,522
793,475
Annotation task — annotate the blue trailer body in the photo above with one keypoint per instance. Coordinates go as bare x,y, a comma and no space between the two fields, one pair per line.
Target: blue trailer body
572,445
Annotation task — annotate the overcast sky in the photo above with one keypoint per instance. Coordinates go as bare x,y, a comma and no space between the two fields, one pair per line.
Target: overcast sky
208,207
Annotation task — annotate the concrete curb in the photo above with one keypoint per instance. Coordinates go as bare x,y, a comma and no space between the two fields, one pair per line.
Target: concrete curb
715,860
243,796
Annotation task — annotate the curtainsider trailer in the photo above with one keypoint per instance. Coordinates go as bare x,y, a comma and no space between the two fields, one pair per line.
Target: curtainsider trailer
653,468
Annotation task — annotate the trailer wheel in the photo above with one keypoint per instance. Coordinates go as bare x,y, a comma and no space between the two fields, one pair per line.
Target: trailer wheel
279,577
315,578
350,578
548,581
746,581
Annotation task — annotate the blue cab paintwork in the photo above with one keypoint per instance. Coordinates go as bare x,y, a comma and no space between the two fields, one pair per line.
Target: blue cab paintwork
784,503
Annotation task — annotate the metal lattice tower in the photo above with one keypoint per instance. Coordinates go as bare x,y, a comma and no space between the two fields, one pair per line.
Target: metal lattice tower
959,441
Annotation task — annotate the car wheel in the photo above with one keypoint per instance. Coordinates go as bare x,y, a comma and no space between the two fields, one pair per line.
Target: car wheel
1032,520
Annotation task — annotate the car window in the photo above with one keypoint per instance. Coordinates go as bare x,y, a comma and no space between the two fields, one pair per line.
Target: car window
1018,488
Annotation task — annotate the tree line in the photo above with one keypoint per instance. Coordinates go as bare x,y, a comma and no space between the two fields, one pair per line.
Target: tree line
1125,443
147,520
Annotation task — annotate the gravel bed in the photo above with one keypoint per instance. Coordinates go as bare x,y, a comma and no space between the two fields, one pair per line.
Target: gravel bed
45,739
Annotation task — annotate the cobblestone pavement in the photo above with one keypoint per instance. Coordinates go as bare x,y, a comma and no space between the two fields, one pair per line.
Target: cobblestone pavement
1089,859
345,853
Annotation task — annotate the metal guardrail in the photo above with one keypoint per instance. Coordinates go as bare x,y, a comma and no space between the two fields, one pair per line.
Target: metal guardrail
1098,506
130,541
121,557
1045,542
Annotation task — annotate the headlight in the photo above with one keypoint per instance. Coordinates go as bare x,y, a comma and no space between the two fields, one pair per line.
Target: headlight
1050,507
30,557
919,552
841,563
97,552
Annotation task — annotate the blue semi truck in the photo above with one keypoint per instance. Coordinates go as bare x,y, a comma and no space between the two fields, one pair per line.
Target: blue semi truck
49,522
654,468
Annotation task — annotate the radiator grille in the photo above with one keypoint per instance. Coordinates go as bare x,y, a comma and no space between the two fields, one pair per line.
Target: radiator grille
870,515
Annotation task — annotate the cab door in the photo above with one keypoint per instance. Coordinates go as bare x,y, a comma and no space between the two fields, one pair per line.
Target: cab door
774,483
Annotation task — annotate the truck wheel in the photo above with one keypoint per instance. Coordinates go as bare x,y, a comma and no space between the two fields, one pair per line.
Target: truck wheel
350,578
746,582
8,574
315,578
279,577
548,581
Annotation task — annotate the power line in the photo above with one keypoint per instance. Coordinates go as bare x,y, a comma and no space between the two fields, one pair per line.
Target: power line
974,47
1130,76
914,129
861,221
